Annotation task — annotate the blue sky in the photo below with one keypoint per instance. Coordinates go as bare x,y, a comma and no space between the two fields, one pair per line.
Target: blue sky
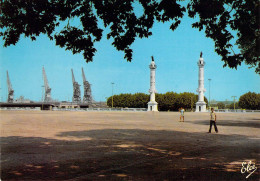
176,55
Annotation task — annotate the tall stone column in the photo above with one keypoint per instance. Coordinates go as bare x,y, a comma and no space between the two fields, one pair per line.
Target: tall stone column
201,105
152,105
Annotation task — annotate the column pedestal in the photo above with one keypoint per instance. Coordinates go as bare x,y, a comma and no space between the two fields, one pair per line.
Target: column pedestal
201,107
152,106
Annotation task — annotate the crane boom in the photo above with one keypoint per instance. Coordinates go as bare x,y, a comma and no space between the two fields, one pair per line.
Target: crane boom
47,97
46,85
9,82
10,98
83,75
73,78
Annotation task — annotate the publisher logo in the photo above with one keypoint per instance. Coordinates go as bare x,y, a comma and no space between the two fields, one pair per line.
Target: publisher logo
248,168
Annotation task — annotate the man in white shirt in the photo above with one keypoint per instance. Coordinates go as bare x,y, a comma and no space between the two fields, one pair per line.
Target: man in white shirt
213,119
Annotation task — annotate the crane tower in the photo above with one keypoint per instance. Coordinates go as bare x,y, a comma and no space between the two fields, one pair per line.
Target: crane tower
47,95
10,98
76,89
87,89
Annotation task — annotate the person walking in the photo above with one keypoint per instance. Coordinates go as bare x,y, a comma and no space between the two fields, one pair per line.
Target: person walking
182,114
213,119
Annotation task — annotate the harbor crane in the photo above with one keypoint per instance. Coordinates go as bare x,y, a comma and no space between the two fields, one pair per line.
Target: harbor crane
87,98
76,90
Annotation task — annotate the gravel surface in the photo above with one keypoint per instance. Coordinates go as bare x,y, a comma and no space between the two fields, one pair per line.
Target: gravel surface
64,145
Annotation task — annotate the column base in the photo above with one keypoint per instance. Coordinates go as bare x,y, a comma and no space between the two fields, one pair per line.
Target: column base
152,106
201,107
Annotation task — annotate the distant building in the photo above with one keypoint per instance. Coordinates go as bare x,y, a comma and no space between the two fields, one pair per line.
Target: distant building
21,99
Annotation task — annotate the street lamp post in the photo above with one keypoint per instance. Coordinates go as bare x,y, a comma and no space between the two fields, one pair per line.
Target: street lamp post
209,92
43,95
112,94
106,100
234,101
191,103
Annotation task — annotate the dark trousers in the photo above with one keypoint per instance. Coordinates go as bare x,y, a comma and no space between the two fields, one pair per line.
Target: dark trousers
215,126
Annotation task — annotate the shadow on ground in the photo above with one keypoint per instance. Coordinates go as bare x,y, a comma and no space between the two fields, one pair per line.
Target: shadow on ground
254,123
128,154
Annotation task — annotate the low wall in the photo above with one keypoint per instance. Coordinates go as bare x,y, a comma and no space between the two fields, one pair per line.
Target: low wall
101,109
237,110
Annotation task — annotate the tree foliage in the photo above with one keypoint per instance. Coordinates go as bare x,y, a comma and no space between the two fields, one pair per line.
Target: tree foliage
221,105
220,18
231,106
138,100
167,101
33,17
250,100
54,18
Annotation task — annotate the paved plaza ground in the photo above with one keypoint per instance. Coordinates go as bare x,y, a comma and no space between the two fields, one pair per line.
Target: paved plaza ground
71,145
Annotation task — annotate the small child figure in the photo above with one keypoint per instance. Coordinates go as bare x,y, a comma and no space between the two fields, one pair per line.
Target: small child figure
182,114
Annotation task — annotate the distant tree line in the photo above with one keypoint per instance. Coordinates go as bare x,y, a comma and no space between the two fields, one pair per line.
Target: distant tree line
221,105
250,100
138,100
169,101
